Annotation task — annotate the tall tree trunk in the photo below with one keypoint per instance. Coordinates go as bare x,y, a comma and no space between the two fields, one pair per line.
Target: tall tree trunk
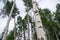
28,27
38,23
24,35
14,28
7,25
30,32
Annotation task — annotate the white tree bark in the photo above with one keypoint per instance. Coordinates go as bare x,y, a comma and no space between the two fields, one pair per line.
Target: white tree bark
28,27
8,21
30,31
38,23
14,28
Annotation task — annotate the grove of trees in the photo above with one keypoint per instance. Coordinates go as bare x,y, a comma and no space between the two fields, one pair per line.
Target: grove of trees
45,25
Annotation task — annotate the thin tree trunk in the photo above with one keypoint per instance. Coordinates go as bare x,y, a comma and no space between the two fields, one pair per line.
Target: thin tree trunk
24,35
7,25
14,28
28,27
38,23
23,28
22,32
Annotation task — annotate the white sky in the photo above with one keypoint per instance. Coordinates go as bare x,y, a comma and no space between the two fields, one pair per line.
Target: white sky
51,4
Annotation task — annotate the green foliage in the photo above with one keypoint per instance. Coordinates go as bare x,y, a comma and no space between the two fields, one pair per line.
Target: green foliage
19,24
10,36
57,13
25,21
8,7
19,20
50,26
57,18
46,16
28,4
28,17
35,36
45,13
24,24
20,28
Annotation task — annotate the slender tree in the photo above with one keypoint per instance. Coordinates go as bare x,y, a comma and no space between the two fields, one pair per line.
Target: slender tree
24,22
28,5
28,23
23,26
13,10
14,28
6,30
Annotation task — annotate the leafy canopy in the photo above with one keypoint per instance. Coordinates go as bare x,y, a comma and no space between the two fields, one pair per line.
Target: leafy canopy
8,7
